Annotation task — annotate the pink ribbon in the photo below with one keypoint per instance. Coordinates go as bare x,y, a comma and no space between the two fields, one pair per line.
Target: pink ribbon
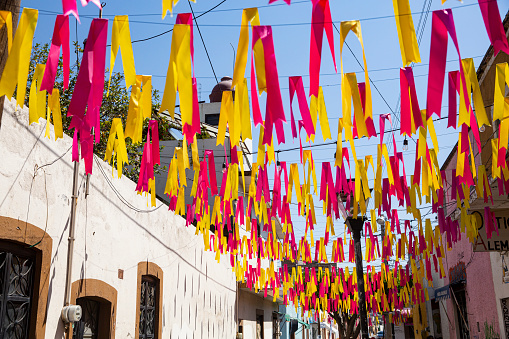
320,20
70,7
88,90
453,88
274,114
296,86
494,26
60,38
409,103
150,157
442,23
212,171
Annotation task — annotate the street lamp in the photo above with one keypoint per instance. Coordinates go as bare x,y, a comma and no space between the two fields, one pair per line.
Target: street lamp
356,224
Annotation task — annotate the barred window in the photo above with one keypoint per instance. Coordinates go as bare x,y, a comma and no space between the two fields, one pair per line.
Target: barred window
149,300
16,284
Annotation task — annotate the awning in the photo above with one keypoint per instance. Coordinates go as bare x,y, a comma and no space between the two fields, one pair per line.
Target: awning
442,293
289,317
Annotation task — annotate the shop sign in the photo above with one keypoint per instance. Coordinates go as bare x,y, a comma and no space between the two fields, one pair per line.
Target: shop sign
497,243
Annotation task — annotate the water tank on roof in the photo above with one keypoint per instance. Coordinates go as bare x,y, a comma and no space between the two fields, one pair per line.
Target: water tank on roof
217,92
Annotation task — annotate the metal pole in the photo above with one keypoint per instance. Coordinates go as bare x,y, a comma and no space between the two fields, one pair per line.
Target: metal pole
70,244
356,226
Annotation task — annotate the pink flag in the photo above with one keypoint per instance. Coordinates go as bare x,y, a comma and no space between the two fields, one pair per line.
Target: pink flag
442,23
453,87
274,114
409,103
60,38
70,7
320,20
296,86
88,91
494,26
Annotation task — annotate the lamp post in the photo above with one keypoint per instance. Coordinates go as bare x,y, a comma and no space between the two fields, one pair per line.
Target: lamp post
355,225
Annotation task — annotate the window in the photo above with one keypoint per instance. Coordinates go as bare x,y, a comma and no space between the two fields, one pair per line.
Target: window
148,308
212,119
149,301
88,326
98,301
16,284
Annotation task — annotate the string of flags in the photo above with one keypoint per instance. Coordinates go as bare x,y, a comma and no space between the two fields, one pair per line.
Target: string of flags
219,211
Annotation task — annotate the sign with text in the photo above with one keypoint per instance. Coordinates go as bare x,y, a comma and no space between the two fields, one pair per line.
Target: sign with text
497,243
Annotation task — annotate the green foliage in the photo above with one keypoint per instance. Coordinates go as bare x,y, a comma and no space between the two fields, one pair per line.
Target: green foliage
114,105
490,332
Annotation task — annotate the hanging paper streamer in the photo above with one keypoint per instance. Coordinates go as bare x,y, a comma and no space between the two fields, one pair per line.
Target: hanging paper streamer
494,26
410,112
318,111
406,32
121,38
274,115
70,7
60,39
146,180
473,87
17,64
140,107
355,27
296,86
227,117
501,111
6,19
116,146
320,20
190,125
241,108
442,25
54,108
249,16
88,93
168,6
179,76
37,99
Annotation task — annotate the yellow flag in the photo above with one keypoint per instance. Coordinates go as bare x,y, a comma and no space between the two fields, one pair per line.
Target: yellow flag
179,75
225,114
36,98
140,107
406,32
116,146
6,19
121,38
168,6
18,61
249,15
355,27
54,107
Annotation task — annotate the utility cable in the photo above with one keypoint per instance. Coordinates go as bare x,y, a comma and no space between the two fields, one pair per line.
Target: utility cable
201,37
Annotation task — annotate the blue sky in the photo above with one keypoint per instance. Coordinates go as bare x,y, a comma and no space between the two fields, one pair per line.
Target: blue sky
291,27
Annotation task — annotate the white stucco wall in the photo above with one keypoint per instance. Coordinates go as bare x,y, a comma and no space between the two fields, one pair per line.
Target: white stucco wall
198,293
501,288
248,305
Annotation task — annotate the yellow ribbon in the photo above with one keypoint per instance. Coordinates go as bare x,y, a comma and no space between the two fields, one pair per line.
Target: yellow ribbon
406,32
116,146
168,6
36,98
121,38
140,107
54,107
6,19
18,61
179,75
355,27
249,15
